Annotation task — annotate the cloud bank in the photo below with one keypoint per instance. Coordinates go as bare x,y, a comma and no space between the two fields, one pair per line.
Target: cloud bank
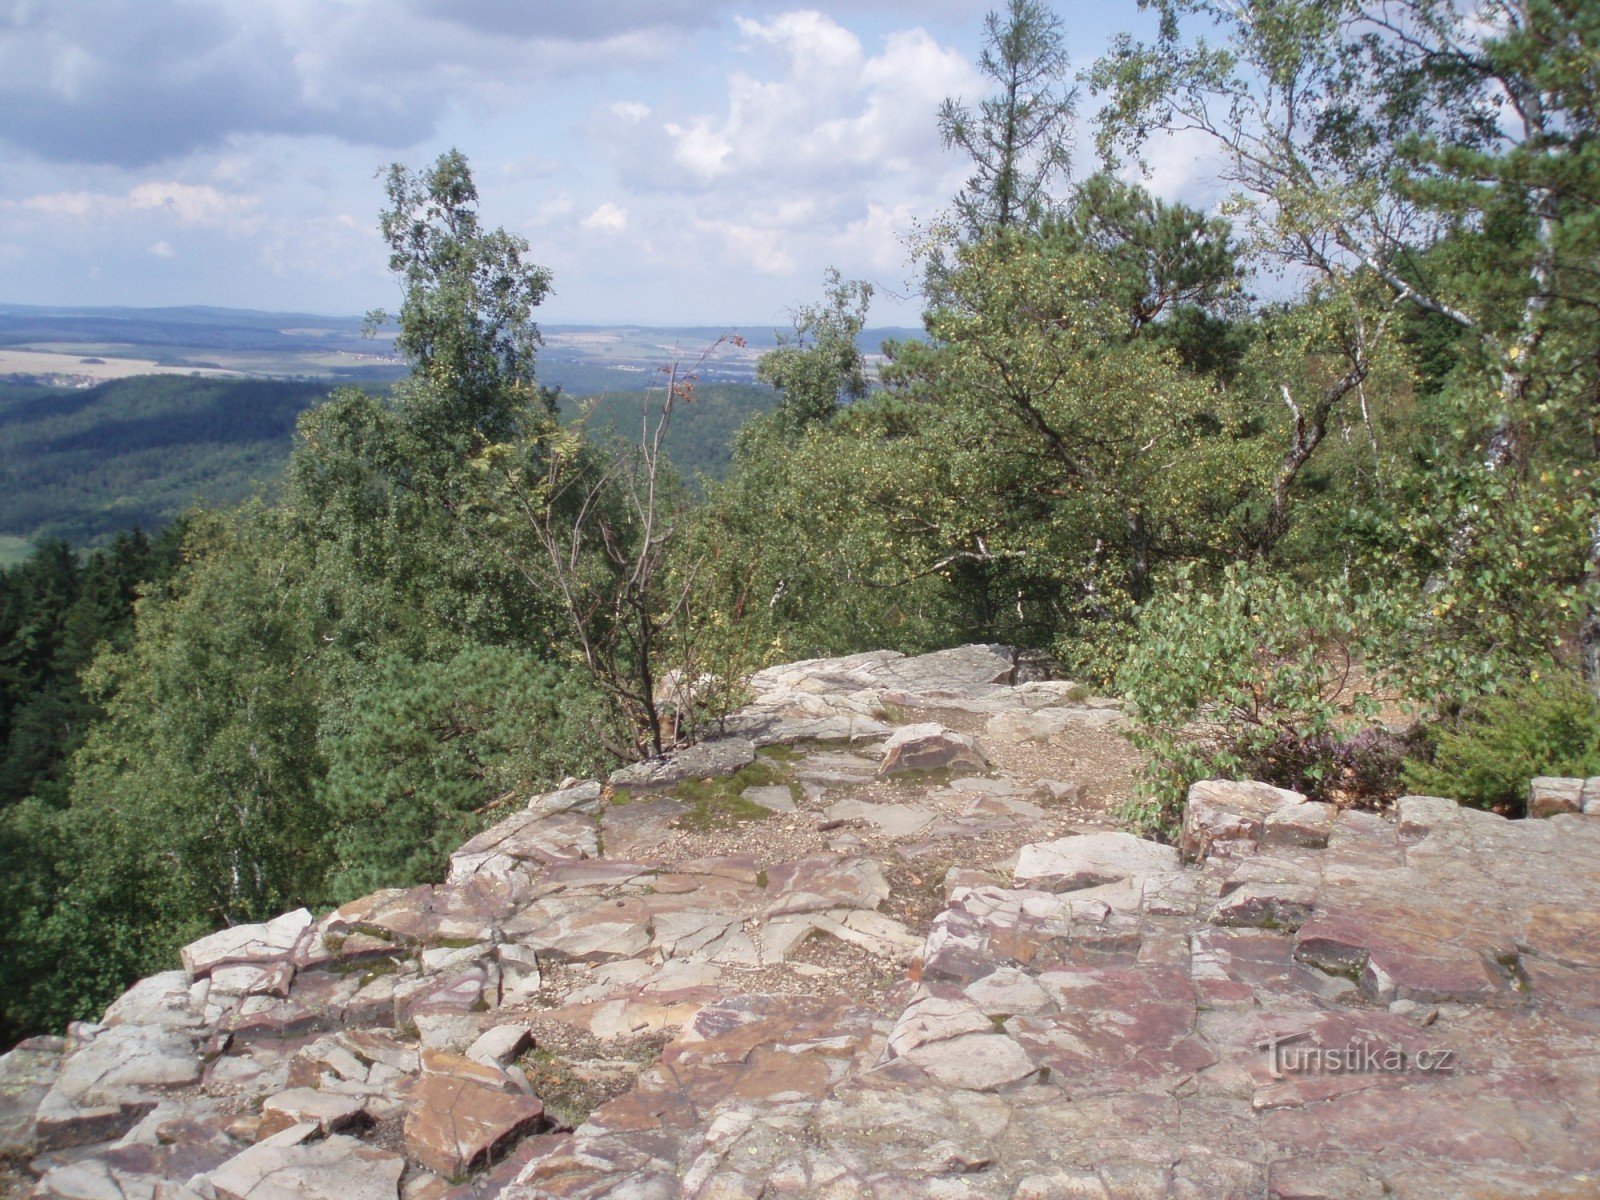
670,160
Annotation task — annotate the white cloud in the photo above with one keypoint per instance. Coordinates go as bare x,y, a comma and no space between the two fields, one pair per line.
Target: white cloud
139,82
827,114
749,245
877,238
185,203
664,157
552,210
162,249
191,204
1183,166
816,45
823,151
608,218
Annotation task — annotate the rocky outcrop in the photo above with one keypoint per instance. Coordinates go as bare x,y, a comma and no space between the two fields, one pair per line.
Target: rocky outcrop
1549,797
929,746
1407,1010
875,983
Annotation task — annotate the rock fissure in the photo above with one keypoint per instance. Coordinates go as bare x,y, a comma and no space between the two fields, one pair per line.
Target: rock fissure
763,991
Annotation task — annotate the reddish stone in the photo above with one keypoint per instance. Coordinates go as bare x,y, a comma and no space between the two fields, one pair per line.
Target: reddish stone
453,1123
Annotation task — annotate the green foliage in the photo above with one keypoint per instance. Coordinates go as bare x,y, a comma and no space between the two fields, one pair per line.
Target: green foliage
1422,156
56,614
700,440
436,750
1231,681
85,464
1019,139
88,909
1082,458
1471,605
1027,477
822,366
466,323
801,551
207,753
1174,271
1546,724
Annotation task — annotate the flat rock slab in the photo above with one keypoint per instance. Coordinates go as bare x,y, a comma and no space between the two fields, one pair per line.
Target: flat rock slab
26,1073
264,943
141,1169
1223,817
978,1062
844,699
166,999
106,1086
773,728
1091,859
1051,724
526,841
501,1045
329,1112
819,884
892,820
453,1123
928,747
338,1168
1549,796
778,799
1266,906
707,760
841,767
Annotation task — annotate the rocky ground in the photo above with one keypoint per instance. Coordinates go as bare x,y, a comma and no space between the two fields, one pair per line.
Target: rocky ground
882,940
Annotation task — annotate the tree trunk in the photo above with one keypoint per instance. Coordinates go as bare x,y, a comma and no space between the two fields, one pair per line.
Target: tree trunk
1139,544
1589,629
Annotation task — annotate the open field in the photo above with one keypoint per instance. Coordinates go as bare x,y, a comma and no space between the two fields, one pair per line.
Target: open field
50,344
111,418
87,369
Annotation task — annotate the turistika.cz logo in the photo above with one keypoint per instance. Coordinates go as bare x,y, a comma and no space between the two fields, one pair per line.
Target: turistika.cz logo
1358,1056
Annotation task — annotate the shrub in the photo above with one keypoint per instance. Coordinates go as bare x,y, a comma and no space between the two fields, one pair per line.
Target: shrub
434,751
1254,678
1545,725
1365,765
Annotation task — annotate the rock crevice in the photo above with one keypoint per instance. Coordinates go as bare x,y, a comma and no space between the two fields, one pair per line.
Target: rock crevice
919,971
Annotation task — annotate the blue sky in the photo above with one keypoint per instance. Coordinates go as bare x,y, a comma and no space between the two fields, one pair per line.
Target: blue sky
671,161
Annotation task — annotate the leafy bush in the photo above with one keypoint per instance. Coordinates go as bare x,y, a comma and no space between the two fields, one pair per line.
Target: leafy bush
1545,725
436,750
1255,678
1367,764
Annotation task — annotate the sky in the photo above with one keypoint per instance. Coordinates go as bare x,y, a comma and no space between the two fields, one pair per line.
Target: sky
672,162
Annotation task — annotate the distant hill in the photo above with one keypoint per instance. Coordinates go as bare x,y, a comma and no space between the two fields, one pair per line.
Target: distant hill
83,346
83,463
95,344
103,445
699,440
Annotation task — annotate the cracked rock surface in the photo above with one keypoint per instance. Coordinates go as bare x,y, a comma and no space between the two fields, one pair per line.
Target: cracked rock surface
910,960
